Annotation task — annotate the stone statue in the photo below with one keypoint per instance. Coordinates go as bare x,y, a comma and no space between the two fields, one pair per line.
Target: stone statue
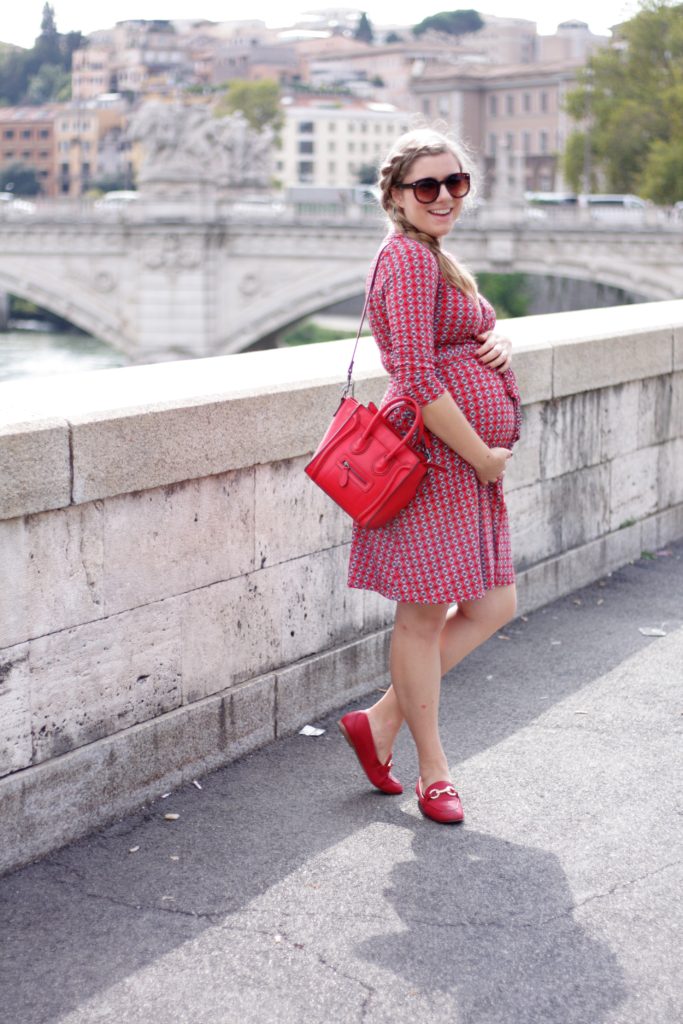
185,146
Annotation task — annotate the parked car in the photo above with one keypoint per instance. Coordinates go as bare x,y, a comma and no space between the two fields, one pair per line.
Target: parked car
115,200
8,201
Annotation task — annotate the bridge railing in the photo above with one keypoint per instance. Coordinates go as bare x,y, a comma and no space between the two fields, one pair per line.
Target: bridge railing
480,215
173,587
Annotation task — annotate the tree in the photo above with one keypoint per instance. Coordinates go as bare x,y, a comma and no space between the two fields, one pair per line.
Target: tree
20,179
258,101
50,83
47,48
366,174
394,37
629,99
50,54
364,32
454,23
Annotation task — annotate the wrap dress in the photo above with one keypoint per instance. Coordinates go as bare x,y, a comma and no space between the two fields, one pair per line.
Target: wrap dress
452,542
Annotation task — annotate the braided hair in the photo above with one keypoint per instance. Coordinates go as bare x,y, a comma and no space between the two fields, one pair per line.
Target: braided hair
407,148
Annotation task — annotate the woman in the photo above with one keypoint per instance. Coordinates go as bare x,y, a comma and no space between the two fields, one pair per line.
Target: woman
451,545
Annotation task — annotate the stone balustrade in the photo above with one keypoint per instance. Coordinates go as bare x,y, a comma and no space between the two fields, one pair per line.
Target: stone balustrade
172,587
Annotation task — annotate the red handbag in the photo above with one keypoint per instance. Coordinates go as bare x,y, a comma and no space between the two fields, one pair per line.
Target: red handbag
363,462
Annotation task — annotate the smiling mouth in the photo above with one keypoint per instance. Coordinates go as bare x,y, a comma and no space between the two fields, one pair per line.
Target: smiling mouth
441,213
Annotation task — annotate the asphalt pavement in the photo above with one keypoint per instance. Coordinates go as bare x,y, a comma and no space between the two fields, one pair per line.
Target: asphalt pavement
287,890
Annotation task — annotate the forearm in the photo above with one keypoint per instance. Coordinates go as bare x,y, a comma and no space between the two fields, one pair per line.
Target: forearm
448,422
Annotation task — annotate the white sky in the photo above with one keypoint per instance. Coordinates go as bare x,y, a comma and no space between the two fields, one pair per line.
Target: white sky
20,21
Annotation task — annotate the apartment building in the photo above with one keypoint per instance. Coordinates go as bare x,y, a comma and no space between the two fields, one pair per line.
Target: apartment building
509,116
326,141
27,137
92,73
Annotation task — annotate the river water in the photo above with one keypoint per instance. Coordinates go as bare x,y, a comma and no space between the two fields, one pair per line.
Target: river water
39,353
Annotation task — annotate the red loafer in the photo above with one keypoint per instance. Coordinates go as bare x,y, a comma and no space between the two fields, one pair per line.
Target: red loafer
355,729
440,802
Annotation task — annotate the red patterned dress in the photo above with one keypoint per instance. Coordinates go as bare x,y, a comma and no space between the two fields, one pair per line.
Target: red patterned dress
452,542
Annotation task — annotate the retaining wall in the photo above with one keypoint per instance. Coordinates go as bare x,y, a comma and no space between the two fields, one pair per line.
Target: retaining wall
172,588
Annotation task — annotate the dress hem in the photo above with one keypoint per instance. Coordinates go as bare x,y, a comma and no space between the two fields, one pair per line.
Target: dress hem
505,582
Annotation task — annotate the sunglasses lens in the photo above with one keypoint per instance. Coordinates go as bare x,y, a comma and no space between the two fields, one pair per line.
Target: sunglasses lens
426,190
458,185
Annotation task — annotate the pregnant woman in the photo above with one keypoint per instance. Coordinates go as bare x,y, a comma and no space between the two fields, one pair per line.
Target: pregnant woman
445,559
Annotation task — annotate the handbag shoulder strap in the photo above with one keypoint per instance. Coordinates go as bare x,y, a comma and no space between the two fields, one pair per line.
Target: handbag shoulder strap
348,389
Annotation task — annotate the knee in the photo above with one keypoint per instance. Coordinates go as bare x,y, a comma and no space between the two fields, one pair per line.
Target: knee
423,622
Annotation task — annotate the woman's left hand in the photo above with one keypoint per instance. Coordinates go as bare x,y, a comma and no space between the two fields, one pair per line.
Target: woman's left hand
496,350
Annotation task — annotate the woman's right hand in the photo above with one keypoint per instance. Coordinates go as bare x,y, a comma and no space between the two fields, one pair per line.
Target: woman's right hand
493,467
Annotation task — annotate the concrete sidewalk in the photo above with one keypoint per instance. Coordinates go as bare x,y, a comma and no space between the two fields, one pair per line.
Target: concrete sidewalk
288,891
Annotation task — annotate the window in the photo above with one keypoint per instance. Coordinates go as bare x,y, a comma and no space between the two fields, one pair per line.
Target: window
332,127
509,103
9,154
543,141
544,102
305,170
526,142
351,147
510,141
493,106
526,102
306,127
443,106
305,146
492,144
331,167
364,126
331,147
44,133
9,134
26,133
426,106
44,154
26,155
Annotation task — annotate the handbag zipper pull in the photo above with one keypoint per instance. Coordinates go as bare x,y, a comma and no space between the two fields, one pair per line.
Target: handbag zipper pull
344,473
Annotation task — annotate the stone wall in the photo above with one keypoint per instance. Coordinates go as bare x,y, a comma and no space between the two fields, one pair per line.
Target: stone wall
173,587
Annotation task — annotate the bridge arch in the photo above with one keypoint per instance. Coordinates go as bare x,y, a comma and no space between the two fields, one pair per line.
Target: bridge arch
57,295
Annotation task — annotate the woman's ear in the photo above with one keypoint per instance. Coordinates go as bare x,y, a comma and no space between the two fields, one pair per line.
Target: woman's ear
396,196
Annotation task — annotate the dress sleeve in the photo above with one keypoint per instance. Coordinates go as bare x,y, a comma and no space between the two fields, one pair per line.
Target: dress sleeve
411,278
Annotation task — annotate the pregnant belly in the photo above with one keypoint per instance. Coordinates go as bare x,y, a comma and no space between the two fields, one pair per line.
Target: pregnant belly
487,398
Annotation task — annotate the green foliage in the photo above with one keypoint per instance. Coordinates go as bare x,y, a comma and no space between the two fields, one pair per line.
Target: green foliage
364,32
258,101
308,333
454,23
50,83
507,293
43,72
631,96
394,37
662,177
574,162
21,179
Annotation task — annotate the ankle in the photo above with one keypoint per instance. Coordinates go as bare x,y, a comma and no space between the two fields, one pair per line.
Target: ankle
436,771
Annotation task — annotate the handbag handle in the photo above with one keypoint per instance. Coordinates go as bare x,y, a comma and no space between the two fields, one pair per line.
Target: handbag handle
348,388
414,435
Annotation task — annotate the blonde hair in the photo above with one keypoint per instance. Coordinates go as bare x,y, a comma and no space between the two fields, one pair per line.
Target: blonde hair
407,148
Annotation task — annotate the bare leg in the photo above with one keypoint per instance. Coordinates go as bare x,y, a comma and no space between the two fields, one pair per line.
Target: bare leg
416,680
466,627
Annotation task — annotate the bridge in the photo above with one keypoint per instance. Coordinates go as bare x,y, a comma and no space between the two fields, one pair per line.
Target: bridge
162,280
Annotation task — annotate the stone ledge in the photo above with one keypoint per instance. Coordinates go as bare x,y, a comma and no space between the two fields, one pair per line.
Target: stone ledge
35,466
210,416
